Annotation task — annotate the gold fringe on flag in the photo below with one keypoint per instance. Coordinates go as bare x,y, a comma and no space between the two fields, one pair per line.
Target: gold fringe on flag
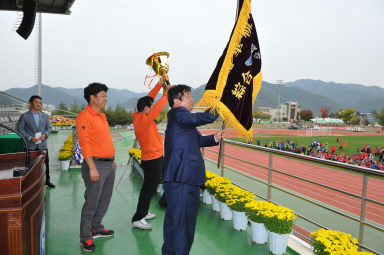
211,98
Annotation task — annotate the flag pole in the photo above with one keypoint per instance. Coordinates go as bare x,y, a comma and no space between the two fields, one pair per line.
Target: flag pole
223,126
221,147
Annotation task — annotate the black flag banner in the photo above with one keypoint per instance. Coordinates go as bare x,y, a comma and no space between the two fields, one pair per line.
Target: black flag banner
236,80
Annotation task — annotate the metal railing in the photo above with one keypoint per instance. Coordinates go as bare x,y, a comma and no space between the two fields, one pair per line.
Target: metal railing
272,153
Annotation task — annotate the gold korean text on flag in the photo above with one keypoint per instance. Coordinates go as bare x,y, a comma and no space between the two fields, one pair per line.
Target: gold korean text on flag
236,80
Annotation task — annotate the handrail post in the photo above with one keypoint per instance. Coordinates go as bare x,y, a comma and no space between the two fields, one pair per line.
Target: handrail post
222,159
74,141
269,195
362,213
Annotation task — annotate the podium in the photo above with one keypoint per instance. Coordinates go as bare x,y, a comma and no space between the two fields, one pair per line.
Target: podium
22,204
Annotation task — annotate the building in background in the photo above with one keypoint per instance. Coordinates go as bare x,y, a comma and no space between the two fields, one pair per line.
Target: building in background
264,109
288,111
369,117
49,107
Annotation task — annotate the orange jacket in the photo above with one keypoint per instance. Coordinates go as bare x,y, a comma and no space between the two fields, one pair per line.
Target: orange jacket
94,134
146,130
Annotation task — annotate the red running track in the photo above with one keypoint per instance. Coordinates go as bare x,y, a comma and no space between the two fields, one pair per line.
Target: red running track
232,134
345,181
331,177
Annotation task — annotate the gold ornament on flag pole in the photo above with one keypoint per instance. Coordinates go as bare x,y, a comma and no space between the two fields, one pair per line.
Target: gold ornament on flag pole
159,64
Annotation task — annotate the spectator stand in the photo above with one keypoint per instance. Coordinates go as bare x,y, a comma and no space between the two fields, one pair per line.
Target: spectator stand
10,110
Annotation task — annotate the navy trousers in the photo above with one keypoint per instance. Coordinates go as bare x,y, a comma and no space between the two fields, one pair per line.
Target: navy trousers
180,217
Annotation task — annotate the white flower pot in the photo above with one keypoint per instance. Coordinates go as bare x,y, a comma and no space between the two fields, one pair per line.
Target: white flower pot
64,164
278,243
240,220
215,204
259,232
225,211
136,165
207,197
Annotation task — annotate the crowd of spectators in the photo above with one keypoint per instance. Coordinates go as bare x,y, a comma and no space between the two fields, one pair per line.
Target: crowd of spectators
366,156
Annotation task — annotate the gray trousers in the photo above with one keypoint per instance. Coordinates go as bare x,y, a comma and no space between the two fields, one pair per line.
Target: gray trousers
97,197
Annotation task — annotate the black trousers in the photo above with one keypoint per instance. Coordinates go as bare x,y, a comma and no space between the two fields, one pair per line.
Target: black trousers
47,177
152,173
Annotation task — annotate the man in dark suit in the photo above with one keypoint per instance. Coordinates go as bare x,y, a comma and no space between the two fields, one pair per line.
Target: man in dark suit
184,169
35,126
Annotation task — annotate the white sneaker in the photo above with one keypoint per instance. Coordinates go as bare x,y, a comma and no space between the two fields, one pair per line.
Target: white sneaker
142,224
150,216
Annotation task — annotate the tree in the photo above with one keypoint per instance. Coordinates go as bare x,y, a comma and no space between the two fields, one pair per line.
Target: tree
375,114
260,115
63,106
349,116
119,116
355,120
324,112
75,108
256,114
162,116
333,115
306,115
380,116
110,114
60,108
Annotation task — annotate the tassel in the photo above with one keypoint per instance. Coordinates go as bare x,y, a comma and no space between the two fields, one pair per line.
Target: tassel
211,98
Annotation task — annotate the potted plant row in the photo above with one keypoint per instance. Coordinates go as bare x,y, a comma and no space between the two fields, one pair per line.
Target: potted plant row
327,242
65,154
268,221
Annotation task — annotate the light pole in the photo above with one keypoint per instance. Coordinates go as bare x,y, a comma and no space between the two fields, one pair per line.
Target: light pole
38,59
280,84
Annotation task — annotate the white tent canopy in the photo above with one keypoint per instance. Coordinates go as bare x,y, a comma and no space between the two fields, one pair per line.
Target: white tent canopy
328,120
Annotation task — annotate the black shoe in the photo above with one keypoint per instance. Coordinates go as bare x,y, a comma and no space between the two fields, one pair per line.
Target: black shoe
88,245
50,185
103,233
163,201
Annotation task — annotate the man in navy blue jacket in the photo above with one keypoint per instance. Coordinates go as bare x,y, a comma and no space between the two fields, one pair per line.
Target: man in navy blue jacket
184,169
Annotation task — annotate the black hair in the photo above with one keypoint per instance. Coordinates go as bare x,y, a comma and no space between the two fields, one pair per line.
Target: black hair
34,97
143,102
93,89
177,92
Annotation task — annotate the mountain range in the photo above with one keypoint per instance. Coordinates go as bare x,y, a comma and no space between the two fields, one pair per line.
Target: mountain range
311,94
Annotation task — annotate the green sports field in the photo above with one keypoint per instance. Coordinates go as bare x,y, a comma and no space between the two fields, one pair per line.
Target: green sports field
354,142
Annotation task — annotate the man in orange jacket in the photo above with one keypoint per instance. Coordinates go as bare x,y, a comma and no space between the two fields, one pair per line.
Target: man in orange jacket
98,168
152,151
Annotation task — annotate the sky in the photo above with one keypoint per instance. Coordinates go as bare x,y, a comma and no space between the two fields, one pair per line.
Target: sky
109,41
